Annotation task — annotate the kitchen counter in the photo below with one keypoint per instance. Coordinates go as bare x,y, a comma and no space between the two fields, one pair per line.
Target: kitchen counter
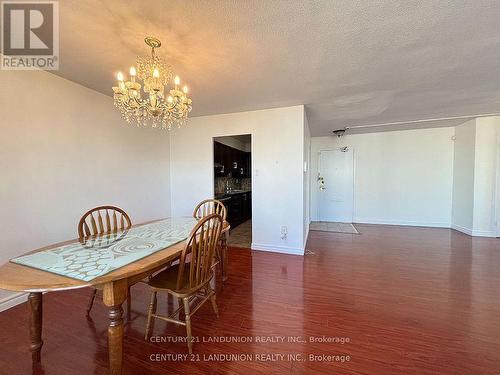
236,192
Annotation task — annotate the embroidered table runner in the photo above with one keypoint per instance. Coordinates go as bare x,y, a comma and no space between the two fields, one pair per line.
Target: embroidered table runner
98,256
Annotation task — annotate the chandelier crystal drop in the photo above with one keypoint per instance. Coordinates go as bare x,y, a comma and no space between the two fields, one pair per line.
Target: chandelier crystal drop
155,104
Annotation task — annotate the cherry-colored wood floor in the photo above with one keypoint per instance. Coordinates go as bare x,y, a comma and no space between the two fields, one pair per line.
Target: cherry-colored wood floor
409,300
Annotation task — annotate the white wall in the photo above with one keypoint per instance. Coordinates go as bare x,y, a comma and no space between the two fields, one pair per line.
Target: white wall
485,176
475,177
401,177
463,177
277,170
65,149
307,178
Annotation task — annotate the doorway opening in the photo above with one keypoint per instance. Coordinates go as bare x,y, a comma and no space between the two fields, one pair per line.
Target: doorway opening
335,184
233,185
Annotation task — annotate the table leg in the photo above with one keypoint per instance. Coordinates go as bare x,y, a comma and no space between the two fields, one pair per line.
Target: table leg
115,293
115,339
224,256
35,323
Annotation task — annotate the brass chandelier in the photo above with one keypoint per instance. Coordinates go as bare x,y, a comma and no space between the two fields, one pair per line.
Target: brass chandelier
156,104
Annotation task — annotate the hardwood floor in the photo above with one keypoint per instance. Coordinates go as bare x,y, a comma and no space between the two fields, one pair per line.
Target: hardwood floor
409,300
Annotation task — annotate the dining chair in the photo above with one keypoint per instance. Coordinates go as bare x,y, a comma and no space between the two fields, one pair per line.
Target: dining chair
189,280
210,206
214,206
103,220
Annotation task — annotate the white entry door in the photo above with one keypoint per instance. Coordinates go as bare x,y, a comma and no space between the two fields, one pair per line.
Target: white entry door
336,185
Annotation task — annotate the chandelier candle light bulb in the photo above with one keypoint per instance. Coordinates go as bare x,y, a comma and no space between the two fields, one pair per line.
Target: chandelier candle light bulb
133,73
153,108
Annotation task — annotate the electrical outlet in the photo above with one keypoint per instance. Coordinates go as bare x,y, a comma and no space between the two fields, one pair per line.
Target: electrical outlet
284,232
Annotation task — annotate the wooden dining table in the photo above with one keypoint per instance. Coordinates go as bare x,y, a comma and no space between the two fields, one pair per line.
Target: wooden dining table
115,285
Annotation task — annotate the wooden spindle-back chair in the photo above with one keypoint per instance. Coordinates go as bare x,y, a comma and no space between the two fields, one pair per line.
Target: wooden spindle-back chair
214,206
190,279
103,220
210,206
93,223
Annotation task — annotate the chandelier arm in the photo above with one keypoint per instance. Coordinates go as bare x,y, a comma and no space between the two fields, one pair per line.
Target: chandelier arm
140,102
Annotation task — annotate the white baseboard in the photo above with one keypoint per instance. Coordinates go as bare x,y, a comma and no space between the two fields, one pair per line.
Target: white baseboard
402,222
474,232
483,233
278,249
12,300
462,229
306,237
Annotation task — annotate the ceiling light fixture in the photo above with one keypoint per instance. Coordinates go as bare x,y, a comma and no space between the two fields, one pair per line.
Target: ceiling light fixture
156,104
339,132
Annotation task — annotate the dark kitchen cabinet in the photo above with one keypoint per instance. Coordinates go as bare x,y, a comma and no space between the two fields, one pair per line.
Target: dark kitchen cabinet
217,152
224,157
245,214
236,210
239,208
249,203
229,160
239,163
229,214
234,156
220,168
248,164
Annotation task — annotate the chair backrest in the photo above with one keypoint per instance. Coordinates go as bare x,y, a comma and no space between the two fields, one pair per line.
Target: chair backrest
197,256
210,206
103,219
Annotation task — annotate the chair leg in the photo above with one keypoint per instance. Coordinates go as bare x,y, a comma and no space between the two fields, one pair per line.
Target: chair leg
179,304
151,311
213,282
188,325
214,303
91,302
219,256
223,257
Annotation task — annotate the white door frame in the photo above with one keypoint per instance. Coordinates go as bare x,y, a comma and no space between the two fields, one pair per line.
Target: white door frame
353,179
497,188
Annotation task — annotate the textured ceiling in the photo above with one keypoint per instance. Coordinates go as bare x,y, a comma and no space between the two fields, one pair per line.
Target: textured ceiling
351,62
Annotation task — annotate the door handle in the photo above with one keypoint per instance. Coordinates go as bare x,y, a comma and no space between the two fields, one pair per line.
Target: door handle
321,181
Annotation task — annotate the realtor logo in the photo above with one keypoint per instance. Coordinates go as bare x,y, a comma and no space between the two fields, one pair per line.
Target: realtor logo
30,35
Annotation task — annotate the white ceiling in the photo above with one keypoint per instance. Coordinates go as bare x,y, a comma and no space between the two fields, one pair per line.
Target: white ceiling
351,62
